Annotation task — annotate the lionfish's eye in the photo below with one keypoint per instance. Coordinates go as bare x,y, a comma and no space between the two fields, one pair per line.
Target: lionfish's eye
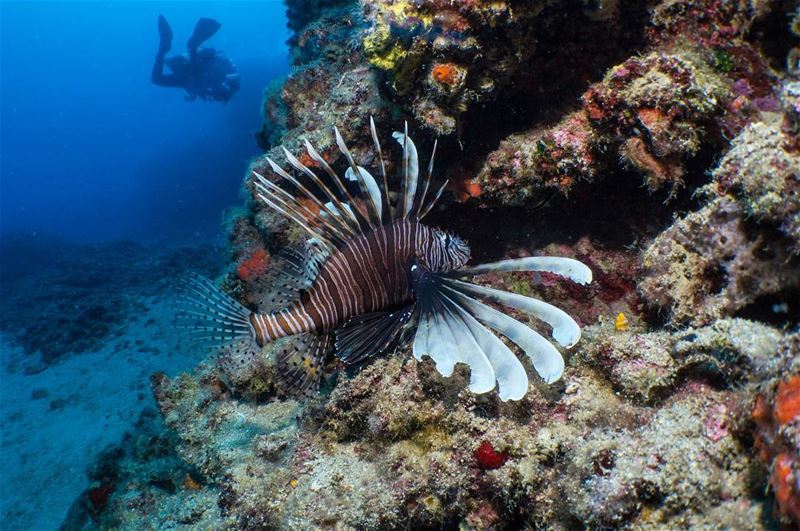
446,239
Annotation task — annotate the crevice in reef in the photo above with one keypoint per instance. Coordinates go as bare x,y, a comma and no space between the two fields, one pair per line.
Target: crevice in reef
772,33
617,212
779,309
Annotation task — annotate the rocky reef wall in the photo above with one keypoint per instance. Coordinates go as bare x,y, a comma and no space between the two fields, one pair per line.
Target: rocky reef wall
654,141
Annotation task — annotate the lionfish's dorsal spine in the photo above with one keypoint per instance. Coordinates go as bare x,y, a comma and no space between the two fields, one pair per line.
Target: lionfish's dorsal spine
341,216
388,211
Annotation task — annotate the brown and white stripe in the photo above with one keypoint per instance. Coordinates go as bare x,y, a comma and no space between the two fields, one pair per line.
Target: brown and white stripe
367,273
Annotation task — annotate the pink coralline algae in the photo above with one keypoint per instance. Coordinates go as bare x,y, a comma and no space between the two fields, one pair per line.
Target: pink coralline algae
718,423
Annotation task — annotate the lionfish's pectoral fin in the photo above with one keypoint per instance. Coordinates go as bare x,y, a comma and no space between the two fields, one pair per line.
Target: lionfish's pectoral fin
369,334
448,333
546,358
449,314
566,267
300,360
291,271
564,328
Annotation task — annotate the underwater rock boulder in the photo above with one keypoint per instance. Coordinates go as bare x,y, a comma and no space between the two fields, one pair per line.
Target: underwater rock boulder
741,244
710,264
763,174
443,59
654,112
645,367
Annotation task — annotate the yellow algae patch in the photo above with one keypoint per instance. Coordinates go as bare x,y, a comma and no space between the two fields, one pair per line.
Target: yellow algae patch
621,322
381,51
380,48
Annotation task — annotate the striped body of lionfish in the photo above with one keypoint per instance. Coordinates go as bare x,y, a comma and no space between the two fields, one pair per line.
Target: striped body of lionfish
370,273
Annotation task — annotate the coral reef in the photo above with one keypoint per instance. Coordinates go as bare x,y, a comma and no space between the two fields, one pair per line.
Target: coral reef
442,59
701,81
637,436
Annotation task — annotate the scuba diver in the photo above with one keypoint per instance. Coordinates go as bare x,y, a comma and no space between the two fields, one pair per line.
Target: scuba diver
203,72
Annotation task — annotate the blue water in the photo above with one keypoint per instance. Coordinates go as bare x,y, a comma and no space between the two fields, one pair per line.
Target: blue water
91,150
110,188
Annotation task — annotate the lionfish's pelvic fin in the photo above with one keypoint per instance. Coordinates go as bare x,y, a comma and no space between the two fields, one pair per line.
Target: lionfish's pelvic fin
300,360
369,334
339,216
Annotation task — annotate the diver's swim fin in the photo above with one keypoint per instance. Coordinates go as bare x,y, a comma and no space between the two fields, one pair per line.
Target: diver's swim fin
165,34
203,30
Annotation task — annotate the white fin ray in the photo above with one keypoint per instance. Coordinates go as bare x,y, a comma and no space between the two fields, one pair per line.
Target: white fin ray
435,344
433,202
374,132
566,267
565,330
341,225
371,186
512,381
337,181
271,193
410,171
374,215
421,203
420,345
280,205
482,377
546,358
298,219
376,208
337,210
347,223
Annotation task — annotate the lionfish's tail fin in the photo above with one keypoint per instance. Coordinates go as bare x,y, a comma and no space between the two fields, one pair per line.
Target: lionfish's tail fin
209,318
449,314
330,213
300,360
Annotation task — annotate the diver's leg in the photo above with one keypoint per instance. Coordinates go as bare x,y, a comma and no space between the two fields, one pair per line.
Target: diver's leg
165,34
157,76
203,30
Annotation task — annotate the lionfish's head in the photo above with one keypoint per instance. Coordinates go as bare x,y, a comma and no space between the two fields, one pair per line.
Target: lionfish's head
451,252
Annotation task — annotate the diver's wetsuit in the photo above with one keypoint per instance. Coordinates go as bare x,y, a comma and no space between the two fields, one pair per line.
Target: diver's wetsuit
204,72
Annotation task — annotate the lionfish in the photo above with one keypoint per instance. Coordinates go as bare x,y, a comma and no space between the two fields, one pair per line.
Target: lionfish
370,272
